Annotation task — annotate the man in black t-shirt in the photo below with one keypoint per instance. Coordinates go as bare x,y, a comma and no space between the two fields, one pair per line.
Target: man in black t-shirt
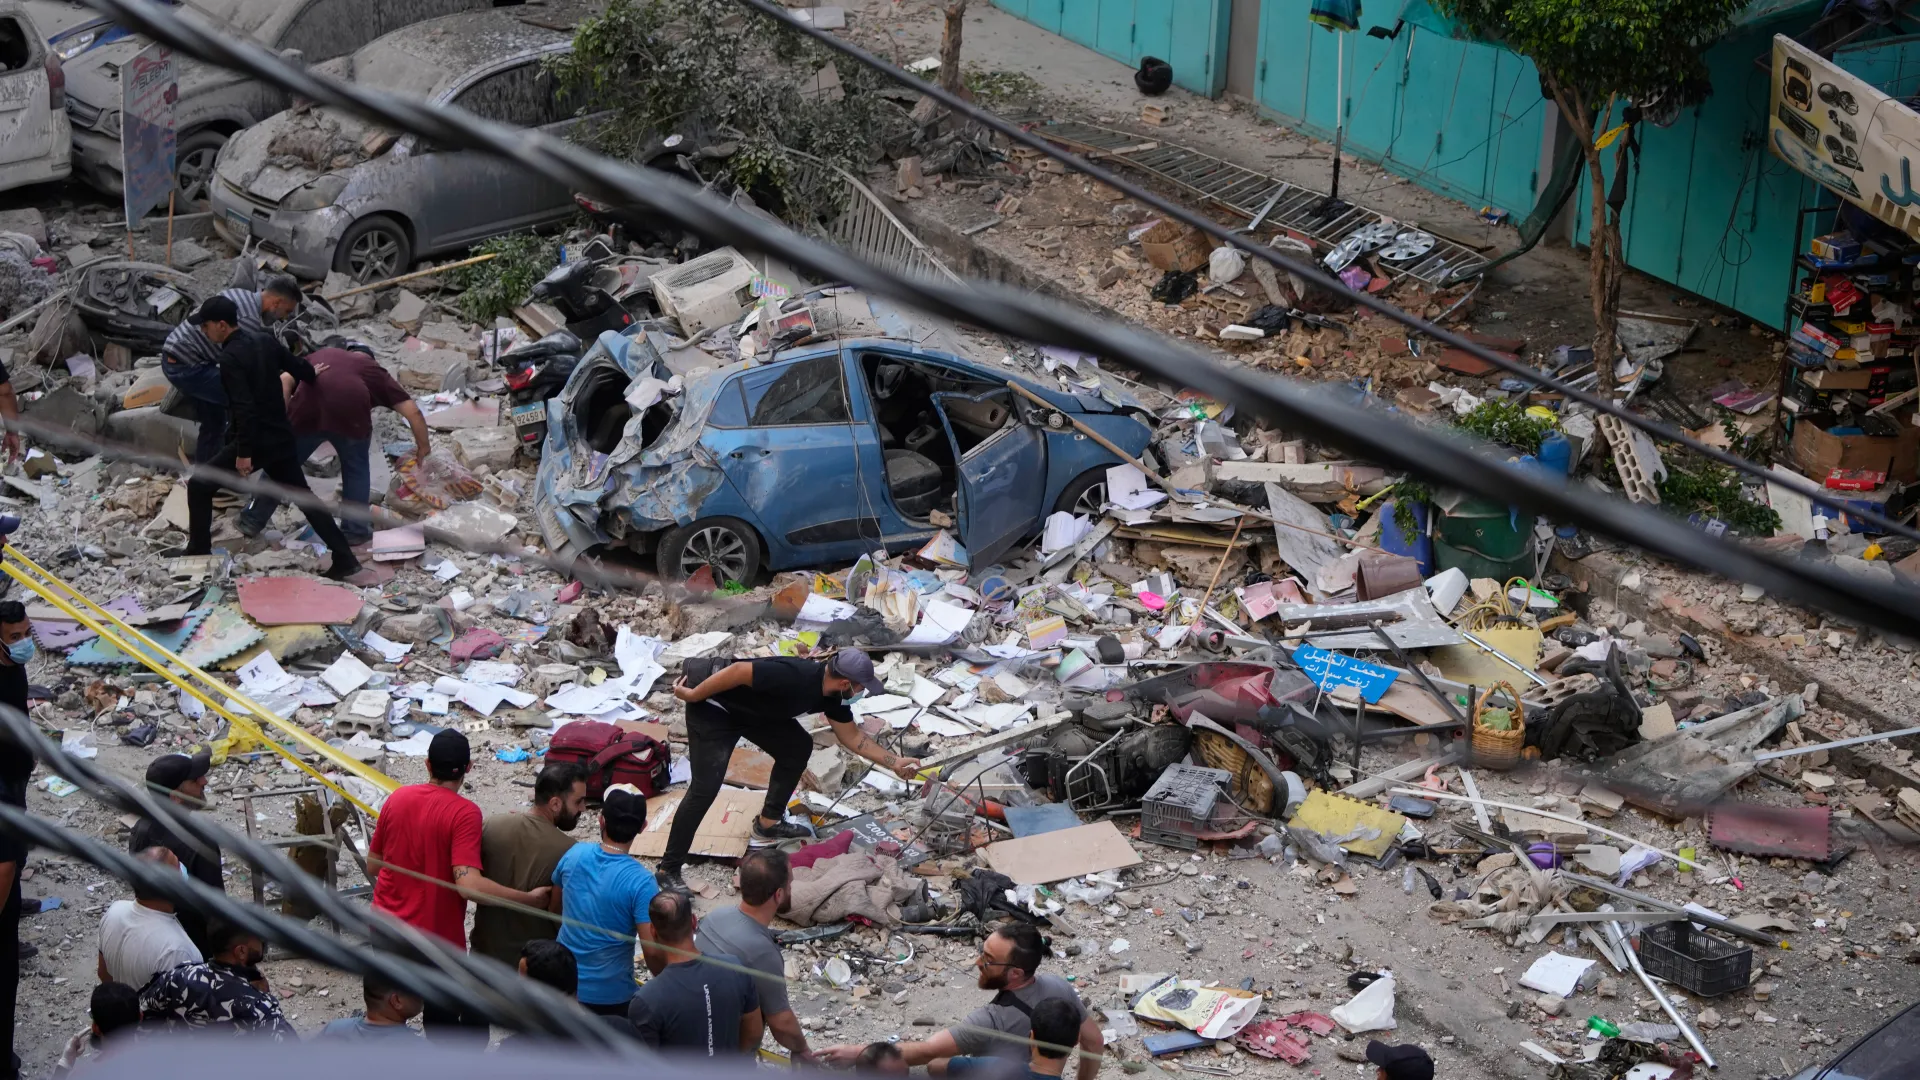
16,648
693,1004
760,701
183,779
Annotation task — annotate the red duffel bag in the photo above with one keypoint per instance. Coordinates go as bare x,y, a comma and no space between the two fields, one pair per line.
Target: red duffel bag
611,756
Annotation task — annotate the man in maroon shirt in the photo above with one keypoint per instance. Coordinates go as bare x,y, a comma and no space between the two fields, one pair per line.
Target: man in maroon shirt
337,408
427,841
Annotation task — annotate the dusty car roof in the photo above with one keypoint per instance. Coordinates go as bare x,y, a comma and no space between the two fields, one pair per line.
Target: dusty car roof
428,58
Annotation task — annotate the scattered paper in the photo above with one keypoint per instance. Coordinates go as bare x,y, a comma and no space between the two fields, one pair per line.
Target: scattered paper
493,672
371,704
941,621
1128,489
1555,974
264,675
817,611
390,651
1063,530
346,674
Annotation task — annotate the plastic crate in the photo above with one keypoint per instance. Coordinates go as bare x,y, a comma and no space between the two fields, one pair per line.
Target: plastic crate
1180,805
1701,964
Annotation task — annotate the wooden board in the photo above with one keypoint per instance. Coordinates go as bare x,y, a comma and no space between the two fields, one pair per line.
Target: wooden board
1413,703
722,834
1469,663
1066,853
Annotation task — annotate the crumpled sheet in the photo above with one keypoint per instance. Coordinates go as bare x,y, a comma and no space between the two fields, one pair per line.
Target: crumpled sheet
1505,900
857,883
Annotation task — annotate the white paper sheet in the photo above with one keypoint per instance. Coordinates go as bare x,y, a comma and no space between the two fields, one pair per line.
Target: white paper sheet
940,725
1556,974
1063,530
926,691
492,673
264,675
346,674
390,651
941,621
1128,488
587,700
874,704
817,611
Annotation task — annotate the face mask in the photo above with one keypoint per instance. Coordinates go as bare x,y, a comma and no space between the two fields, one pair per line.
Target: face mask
21,651
183,873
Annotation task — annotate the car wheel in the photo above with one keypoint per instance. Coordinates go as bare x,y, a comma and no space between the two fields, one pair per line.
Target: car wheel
726,544
1086,495
374,249
193,166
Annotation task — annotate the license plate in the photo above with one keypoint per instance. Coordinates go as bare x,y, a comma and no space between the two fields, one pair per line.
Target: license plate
239,220
530,412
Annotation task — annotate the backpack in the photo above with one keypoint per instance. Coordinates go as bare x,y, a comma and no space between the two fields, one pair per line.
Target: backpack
611,756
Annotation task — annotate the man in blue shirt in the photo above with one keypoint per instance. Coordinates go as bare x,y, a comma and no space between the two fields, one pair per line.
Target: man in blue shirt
388,1009
600,885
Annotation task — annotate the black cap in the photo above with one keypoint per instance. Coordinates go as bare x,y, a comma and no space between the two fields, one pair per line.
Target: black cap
621,806
169,771
1407,1062
449,750
216,309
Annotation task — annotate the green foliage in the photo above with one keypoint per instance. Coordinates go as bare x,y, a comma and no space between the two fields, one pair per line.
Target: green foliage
1408,494
496,287
1002,86
663,66
1640,49
1507,424
1714,489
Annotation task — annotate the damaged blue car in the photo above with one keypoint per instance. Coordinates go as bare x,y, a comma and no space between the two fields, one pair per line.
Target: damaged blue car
823,454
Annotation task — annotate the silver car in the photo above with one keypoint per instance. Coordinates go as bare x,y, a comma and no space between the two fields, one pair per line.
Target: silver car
214,102
328,191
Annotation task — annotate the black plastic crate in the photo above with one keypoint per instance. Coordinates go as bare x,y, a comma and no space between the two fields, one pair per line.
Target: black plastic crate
1180,805
1698,962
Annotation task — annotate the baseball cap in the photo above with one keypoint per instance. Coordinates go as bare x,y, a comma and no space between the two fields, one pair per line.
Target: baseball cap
1407,1062
622,804
449,750
857,666
9,524
216,309
168,771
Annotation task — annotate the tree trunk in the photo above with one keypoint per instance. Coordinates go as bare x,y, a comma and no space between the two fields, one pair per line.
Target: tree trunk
950,47
1601,246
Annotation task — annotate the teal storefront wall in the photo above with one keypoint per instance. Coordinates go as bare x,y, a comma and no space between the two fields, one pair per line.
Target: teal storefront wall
1189,34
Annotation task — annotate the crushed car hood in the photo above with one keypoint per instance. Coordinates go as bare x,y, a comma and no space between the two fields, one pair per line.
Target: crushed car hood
292,148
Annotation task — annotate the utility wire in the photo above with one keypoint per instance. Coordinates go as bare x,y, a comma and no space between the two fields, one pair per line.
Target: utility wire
1813,492
456,978
1453,461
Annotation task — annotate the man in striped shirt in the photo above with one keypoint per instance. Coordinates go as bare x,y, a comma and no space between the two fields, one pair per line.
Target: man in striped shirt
191,361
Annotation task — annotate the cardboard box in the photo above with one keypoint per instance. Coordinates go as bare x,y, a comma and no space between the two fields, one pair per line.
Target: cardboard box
722,834
1172,246
1859,378
1817,452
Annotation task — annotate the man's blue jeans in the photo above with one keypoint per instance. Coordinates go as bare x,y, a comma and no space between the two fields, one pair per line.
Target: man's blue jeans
201,384
356,481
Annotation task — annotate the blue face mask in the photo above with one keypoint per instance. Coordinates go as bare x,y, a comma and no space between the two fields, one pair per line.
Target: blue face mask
21,651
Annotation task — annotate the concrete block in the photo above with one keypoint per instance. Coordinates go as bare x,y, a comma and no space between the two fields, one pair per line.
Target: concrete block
493,447
68,407
451,335
408,311
357,306
187,255
25,220
152,430
423,369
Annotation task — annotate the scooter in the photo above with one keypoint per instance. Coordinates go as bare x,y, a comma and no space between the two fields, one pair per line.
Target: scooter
534,373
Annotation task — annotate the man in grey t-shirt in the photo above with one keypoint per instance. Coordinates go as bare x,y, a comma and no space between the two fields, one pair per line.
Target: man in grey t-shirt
766,884
1008,963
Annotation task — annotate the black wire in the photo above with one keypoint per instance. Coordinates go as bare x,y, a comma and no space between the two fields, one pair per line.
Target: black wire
511,1002
1312,411
431,984
1809,490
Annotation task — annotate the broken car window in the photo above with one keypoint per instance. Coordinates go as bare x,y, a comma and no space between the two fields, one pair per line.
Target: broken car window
521,96
15,53
807,392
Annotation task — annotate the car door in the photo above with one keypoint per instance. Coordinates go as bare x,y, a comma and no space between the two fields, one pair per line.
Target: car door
26,104
785,438
479,195
1002,478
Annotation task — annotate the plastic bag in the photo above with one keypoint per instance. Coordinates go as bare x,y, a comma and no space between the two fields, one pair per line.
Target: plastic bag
1225,264
433,482
1370,1010
1093,892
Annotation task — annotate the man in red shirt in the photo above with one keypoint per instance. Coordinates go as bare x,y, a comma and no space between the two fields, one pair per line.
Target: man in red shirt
426,842
338,409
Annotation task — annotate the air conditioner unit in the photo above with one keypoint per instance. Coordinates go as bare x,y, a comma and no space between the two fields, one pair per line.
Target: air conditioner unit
712,290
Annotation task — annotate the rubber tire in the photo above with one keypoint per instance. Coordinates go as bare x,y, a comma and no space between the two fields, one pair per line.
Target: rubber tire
342,253
204,139
672,543
1072,492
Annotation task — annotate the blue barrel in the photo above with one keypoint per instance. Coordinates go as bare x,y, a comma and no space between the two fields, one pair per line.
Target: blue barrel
1394,541
1556,454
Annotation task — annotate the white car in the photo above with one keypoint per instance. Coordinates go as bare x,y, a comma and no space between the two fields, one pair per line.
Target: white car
35,142
214,102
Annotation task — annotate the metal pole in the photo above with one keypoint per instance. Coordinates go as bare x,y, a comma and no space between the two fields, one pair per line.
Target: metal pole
1796,751
1619,937
1339,106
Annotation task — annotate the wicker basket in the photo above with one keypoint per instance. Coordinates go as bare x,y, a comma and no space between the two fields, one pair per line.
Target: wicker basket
1493,748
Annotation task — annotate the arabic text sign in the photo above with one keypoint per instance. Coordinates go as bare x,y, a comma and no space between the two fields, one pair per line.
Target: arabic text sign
149,87
1837,128
1332,669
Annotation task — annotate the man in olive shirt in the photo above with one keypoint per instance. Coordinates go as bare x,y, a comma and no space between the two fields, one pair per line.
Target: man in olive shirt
520,852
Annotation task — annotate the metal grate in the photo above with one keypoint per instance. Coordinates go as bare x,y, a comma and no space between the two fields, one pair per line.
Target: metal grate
1248,193
870,231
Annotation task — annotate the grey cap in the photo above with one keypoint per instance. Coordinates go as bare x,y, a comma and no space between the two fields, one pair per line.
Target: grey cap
856,666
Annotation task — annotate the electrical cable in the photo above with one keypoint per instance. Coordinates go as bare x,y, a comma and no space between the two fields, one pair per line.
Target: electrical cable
516,1004
1813,492
1313,412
